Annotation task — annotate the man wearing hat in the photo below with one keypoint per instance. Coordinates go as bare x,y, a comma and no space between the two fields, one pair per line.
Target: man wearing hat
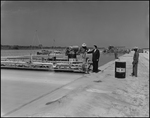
83,49
135,62
95,58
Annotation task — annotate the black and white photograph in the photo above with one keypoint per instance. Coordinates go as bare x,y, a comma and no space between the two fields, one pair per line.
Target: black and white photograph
74,58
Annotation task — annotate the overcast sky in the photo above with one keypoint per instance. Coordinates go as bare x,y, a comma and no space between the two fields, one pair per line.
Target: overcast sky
73,23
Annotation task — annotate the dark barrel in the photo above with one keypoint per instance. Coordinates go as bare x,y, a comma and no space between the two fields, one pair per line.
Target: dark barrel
120,69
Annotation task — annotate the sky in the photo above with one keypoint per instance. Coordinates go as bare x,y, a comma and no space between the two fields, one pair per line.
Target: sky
104,23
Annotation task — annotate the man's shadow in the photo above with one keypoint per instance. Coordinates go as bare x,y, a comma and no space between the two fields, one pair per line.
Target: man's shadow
92,70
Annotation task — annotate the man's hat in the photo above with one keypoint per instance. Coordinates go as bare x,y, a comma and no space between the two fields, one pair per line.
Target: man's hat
83,45
135,48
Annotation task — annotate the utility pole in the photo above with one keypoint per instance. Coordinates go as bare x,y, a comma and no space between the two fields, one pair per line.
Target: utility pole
54,46
39,43
54,43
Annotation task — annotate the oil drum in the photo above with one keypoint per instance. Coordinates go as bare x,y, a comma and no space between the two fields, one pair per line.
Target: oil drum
120,69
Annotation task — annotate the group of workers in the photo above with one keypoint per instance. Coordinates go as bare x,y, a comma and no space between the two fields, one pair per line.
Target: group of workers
96,55
72,51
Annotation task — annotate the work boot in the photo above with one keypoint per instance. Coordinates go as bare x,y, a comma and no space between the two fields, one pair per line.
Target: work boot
132,74
87,72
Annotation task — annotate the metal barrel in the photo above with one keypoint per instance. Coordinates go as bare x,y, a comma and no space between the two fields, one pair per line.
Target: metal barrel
120,69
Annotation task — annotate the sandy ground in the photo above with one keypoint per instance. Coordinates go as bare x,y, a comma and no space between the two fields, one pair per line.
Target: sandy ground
96,94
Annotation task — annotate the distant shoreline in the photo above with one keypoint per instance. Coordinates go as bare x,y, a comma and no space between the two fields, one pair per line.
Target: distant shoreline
17,47
28,47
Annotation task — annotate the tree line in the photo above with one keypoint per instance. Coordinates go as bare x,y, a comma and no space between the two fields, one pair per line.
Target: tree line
31,47
18,47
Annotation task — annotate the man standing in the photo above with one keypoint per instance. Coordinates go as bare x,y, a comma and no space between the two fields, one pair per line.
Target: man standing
135,62
95,58
116,53
83,50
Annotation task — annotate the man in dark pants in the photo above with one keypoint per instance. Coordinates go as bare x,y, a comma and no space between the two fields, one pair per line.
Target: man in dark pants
116,53
95,58
135,62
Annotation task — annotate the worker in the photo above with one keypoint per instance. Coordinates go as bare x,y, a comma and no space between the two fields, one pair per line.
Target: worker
116,53
135,62
31,58
71,53
95,58
83,50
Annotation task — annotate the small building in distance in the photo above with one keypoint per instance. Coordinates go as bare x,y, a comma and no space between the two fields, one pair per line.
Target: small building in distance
145,50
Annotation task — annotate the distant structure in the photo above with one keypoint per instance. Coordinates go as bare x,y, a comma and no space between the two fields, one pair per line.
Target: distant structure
145,50
120,49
